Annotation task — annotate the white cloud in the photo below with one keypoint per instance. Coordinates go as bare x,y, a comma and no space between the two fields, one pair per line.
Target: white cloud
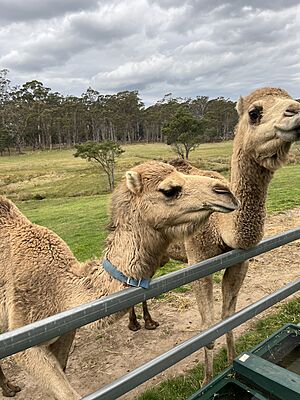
188,47
135,74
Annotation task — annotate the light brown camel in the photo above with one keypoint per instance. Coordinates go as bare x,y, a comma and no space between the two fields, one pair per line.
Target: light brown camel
269,121
39,276
177,248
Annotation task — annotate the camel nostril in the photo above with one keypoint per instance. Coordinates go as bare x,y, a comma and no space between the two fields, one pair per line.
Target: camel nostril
220,189
291,112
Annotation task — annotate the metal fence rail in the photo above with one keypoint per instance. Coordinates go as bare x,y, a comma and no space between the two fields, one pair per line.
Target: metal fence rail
140,375
41,331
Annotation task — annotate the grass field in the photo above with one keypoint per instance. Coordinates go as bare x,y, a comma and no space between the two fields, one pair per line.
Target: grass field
57,173
74,191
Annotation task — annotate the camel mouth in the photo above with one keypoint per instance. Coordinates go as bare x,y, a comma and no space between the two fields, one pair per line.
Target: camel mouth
288,135
224,208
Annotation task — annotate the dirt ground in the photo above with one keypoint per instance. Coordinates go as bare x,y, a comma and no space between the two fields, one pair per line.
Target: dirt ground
100,357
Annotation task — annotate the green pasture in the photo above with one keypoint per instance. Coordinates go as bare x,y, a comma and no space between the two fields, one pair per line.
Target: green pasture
69,195
56,173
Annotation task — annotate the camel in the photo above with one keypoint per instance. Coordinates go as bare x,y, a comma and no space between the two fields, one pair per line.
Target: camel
39,276
269,122
177,248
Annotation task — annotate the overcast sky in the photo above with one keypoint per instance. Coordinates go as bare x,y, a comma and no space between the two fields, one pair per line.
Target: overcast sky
187,47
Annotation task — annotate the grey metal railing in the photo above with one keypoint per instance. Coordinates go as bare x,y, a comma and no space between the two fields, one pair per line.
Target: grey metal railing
41,331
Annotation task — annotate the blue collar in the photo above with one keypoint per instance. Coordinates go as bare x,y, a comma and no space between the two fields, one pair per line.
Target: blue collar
115,273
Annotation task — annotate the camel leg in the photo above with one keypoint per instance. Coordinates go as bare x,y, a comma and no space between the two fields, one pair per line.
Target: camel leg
149,322
8,389
232,282
61,348
204,296
44,367
134,324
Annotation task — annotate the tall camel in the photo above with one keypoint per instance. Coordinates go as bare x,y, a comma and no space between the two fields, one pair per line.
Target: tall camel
39,276
269,122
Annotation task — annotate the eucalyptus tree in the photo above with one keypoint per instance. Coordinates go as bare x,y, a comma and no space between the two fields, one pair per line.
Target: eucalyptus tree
31,97
16,116
6,140
198,106
122,113
4,86
51,120
73,123
156,116
5,136
221,118
32,115
93,114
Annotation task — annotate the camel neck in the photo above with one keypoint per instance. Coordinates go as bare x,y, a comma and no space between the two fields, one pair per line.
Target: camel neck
249,182
136,253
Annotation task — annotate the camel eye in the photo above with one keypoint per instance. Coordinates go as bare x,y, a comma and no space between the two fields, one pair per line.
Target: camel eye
171,192
255,114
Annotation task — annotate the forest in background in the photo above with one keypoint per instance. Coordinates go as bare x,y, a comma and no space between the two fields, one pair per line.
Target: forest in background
32,115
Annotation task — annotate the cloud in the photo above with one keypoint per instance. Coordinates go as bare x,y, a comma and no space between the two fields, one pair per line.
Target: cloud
188,47
108,22
28,10
135,74
204,6
55,43
42,49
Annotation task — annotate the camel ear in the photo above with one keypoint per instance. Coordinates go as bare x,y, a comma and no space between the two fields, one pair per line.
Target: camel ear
134,181
240,106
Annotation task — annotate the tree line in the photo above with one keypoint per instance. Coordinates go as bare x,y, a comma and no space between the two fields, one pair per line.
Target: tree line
32,115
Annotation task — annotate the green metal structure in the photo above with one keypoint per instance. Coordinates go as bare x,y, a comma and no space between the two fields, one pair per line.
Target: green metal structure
269,371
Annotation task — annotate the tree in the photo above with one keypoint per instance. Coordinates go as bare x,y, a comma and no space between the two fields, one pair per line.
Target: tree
35,116
6,141
184,132
16,116
31,97
156,116
4,86
104,154
198,106
122,112
221,118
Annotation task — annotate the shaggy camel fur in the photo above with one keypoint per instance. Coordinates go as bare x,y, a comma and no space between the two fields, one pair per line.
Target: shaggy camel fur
269,121
39,276
177,247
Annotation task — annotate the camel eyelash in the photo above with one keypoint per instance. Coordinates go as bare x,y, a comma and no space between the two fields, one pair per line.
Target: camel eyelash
255,114
172,192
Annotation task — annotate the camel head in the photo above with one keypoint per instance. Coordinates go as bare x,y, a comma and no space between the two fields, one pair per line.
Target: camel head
269,121
156,195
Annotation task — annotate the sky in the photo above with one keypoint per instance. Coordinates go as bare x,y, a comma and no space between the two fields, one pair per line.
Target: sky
188,48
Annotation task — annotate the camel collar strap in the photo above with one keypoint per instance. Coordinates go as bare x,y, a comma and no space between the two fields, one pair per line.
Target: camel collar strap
115,273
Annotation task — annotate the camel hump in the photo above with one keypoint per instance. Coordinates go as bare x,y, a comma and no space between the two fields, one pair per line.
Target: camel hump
181,165
186,168
9,212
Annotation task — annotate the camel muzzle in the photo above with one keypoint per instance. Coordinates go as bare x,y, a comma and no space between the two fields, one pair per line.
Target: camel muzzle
289,136
289,131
